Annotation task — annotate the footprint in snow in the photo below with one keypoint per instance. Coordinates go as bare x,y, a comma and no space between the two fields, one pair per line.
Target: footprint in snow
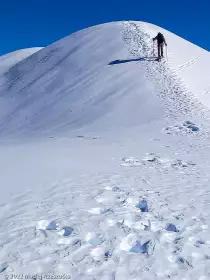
150,158
130,162
45,225
181,163
191,126
167,162
66,231
184,128
114,189
157,160
132,244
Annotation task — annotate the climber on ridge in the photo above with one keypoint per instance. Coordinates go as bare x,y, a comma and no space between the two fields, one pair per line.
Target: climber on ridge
160,43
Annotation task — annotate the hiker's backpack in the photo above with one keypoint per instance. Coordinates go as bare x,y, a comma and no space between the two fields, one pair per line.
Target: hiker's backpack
160,38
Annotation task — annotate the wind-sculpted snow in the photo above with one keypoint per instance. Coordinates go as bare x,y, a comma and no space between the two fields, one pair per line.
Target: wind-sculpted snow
8,61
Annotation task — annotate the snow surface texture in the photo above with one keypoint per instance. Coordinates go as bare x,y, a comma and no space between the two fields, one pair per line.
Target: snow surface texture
7,61
105,158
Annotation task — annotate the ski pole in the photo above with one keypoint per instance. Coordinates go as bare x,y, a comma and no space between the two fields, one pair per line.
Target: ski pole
153,49
167,52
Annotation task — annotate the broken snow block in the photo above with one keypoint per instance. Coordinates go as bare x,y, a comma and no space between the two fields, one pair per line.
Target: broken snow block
171,227
142,205
140,248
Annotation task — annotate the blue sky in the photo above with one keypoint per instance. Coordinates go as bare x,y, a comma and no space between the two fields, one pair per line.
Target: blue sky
28,23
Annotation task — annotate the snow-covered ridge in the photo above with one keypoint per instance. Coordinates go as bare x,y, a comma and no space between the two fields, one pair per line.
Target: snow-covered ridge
74,82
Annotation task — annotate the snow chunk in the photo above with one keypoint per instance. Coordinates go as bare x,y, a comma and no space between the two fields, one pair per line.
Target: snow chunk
171,227
132,244
142,205
66,231
46,225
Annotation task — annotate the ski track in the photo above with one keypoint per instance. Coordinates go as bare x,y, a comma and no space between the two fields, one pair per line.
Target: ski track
134,224
187,64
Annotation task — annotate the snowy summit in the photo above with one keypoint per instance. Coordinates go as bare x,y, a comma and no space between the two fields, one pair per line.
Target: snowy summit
105,157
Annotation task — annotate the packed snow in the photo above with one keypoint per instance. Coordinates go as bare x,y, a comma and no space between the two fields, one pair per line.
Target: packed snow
105,158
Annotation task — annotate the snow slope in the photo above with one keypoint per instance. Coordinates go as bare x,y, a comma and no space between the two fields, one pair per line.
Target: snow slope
105,159
7,61
61,87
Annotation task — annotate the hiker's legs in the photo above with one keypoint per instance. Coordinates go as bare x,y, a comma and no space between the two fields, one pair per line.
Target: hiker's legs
159,47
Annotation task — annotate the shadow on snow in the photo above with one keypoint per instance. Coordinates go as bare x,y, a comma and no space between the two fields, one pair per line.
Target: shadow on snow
132,60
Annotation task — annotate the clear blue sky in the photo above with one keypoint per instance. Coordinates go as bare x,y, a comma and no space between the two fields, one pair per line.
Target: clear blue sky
31,23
